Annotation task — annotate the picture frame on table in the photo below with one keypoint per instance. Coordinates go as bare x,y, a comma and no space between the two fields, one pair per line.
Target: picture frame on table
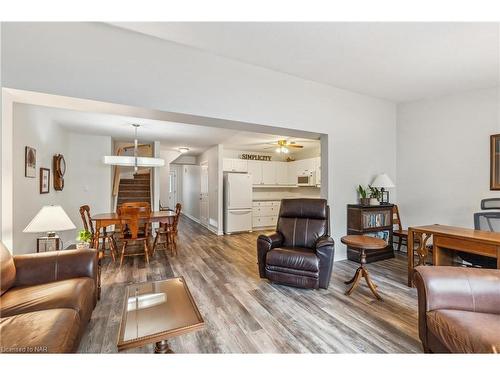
44,180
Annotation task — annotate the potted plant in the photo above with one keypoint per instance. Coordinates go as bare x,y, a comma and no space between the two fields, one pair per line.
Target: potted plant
374,196
363,196
83,240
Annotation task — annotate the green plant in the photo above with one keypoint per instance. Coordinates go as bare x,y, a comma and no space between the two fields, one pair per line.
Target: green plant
84,236
362,191
374,192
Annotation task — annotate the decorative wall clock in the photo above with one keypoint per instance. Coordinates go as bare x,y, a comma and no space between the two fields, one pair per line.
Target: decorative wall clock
59,171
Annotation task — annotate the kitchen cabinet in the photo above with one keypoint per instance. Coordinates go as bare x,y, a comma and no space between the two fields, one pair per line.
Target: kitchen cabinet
292,172
269,173
282,173
255,169
234,165
263,172
265,213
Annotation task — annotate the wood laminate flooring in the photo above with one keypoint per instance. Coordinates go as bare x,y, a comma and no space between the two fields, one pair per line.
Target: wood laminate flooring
246,314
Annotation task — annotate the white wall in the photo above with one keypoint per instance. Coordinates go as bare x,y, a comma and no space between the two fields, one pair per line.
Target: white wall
443,157
168,156
160,75
213,156
191,188
87,180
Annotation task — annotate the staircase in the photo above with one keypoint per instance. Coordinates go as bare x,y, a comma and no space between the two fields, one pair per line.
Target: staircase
137,189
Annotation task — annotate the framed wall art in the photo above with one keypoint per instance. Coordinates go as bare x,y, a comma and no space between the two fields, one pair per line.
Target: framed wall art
29,162
44,180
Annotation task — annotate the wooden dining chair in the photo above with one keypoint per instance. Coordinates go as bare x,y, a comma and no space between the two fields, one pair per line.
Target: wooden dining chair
168,231
402,235
103,237
131,217
142,206
398,231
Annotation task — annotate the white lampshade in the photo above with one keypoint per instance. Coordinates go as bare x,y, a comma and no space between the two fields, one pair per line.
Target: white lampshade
382,181
129,161
50,219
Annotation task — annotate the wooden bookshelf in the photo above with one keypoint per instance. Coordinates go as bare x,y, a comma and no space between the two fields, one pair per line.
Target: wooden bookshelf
372,221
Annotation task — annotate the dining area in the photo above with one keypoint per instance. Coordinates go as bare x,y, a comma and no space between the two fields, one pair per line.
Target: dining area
134,230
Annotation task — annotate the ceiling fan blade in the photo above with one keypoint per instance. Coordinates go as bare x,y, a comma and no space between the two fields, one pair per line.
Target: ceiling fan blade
295,146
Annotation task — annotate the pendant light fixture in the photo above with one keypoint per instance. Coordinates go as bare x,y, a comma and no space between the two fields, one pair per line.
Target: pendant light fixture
133,161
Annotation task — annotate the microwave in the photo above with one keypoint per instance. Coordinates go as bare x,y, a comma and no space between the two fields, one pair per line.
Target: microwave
306,179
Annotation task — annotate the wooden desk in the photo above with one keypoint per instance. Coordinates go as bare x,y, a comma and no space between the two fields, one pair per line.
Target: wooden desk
446,240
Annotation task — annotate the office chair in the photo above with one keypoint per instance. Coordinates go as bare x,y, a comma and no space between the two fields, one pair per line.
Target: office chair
487,221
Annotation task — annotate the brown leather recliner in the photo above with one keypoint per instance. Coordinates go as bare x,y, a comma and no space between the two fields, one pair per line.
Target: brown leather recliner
46,300
300,253
458,309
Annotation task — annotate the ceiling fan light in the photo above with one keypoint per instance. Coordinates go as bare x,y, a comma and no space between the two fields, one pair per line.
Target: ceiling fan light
183,150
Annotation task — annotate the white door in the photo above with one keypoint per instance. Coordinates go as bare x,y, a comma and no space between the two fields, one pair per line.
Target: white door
172,188
269,173
255,170
239,187
204,213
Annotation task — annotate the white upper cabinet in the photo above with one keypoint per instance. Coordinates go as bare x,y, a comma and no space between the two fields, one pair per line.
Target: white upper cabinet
281,173
234,165
292,172
240,165
275,173
269,173
255,169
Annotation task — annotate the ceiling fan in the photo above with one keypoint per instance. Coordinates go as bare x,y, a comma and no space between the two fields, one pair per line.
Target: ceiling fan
283,146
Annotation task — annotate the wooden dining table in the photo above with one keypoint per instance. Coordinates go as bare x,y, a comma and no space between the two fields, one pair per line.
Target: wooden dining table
113,218
104,220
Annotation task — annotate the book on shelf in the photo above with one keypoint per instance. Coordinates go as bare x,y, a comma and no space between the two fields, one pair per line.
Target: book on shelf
383,234
374,220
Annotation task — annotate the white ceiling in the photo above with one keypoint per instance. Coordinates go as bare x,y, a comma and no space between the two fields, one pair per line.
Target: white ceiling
395,61
171,135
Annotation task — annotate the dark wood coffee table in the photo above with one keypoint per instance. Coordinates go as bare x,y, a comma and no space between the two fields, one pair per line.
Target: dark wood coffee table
363,243
156,311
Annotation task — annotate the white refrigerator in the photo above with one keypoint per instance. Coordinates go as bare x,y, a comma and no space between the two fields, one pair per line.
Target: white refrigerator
237,202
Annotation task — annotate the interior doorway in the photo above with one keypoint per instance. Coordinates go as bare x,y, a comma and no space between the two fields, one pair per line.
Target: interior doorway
204,205
172,188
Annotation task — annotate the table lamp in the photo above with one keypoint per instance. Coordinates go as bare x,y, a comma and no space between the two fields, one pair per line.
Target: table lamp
49,219
382,182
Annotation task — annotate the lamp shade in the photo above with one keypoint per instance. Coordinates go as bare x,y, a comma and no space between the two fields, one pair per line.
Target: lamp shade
382,181
130,161
50,219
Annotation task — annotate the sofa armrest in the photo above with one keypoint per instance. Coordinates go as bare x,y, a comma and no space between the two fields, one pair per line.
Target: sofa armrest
40,268
325,251
458,288
264,244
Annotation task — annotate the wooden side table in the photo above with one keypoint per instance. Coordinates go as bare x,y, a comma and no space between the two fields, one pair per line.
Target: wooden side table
362,243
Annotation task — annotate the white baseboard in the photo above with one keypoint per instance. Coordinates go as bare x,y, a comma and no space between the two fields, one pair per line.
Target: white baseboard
196,220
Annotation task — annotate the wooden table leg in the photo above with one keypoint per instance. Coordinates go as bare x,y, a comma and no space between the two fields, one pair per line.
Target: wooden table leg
360,273
162,347
99,261
409,251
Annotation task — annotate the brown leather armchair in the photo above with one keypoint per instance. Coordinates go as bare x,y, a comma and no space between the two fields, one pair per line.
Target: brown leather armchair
300,253
46,300
458,309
